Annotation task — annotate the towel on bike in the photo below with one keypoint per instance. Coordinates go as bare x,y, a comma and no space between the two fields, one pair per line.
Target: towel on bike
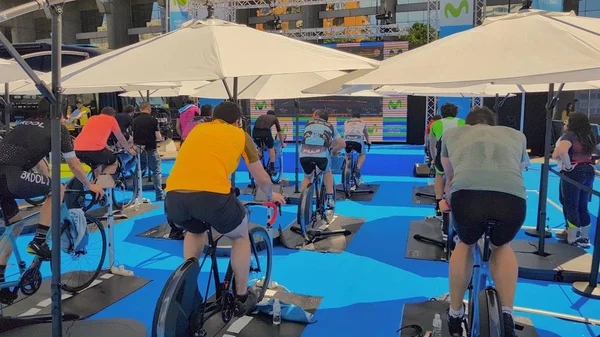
289,312
75,237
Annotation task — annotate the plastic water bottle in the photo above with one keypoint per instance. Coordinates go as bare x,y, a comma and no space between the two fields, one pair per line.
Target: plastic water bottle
277,312
437,326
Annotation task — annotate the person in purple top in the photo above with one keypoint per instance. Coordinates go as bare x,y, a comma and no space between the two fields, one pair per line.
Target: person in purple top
186,113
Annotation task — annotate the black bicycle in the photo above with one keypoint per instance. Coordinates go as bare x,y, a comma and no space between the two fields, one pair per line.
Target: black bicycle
310,216
181,310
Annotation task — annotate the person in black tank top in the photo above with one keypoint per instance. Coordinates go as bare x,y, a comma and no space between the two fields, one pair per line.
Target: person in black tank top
262,135
21,150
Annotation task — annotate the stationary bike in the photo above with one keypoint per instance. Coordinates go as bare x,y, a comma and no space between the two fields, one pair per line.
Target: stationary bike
350,182
277,173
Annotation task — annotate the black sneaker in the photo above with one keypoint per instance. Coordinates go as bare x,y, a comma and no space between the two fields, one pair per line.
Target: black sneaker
40,249
509,325
7,296
246,307
160,197
455,325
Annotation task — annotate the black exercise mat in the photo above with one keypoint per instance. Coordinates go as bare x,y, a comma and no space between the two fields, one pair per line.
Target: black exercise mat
146,185
163,230
262,324
95,328
333,244
426,189
103,292
431,228
128,212
366,192
422,314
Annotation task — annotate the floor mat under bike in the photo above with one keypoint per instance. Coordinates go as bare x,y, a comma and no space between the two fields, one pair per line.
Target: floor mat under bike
262,324
106,290
332,244
163,231
366,192
422,314
124,215
429,228
93,328
427,199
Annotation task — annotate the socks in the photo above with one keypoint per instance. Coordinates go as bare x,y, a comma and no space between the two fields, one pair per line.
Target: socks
507,310
457,314
2,271
572,234
329,197
271,166
243,298
40,233
585,231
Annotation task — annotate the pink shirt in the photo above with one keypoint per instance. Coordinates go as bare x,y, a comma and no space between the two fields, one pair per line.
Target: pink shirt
185,116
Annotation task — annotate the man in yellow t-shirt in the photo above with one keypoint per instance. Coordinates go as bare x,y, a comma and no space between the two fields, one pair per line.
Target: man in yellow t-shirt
200,195
81,114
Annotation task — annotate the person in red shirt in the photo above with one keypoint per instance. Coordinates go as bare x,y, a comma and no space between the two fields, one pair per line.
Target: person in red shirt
90,145
427,131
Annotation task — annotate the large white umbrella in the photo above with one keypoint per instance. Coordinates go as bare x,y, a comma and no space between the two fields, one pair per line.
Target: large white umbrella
518,48
28,88
187,88
208,50
10,71
285,86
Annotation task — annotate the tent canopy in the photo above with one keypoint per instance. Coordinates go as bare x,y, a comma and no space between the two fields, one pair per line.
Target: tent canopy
10,71
187,88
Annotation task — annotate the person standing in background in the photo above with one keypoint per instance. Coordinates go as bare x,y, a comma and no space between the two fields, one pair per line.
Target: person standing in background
186,113
146,133
565,114
81,115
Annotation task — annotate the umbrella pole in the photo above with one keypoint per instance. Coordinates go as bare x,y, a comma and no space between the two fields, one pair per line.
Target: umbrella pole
522,110
147,95
7,107
541,220
297,141
589,102
234,99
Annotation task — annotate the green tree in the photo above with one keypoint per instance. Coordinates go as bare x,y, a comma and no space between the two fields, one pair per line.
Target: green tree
417,34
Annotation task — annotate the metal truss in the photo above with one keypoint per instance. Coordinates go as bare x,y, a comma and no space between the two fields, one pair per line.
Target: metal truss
433,31
368,31
197,8
249,4
480,11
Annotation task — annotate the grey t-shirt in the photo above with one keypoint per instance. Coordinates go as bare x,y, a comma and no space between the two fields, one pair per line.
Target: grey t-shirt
486,158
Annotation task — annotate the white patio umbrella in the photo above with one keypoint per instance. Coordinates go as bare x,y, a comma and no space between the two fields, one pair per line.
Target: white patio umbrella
10,71
513,49
207,50
29,87
187,88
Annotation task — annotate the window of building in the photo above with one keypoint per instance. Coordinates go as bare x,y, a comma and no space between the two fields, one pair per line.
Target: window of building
90,20
141,14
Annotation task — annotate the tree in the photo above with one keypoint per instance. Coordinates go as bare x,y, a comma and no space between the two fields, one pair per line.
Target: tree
417,34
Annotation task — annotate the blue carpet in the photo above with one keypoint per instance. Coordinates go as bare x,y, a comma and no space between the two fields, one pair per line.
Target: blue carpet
365,287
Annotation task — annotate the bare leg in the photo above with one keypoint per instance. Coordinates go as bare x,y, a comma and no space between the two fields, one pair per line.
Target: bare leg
328,181
439,186
110,169
306,180
505,270
272,155
361,160
193,245
461,268
240,262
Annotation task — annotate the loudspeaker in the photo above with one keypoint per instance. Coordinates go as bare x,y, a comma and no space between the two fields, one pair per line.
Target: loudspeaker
421,170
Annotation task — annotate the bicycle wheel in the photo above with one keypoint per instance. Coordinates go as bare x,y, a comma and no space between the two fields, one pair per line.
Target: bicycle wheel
347,177
278,168
305,207
76,199
79,268
124,192
491,322
261,261
179,300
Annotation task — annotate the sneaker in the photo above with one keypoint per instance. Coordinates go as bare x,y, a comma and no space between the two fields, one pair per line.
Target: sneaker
42,250
357,174
160,198
561,235
584,243
7,296
330,204
509,325
246,307
455,325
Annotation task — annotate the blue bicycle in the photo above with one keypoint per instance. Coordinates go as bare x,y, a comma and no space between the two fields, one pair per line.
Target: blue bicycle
350,181
485,309
74,279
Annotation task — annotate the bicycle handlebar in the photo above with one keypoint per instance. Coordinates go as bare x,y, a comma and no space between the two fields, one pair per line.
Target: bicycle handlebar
269,204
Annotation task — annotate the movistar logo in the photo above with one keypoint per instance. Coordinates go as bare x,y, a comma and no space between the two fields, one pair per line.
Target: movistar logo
449,9
394,105
260,105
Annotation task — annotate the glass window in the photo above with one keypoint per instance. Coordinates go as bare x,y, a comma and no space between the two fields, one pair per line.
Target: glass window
140,14
90,20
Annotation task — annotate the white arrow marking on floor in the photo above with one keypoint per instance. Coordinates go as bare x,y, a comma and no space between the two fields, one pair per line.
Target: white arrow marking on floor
239,324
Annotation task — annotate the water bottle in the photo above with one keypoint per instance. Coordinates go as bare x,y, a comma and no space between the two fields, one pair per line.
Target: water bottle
277,312
437,326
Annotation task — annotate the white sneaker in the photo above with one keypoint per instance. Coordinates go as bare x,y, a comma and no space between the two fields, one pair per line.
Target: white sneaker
330,203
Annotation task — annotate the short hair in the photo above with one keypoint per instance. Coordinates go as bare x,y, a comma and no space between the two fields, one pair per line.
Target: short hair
323,114
43,109
271,112
481,115
435,118
228,112
449,110
129,109
356,114
206,110
108,111
188,100
145,105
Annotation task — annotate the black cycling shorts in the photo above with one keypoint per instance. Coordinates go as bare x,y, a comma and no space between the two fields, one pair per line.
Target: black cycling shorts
263,137
308,164
196,212
472,209
94,159
352,145
438,158
18,184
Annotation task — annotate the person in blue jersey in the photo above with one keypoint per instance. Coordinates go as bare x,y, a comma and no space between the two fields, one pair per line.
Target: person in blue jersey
320,139
355,134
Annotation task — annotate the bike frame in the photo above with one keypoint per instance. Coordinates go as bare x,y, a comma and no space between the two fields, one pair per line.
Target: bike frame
481,279
9,237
